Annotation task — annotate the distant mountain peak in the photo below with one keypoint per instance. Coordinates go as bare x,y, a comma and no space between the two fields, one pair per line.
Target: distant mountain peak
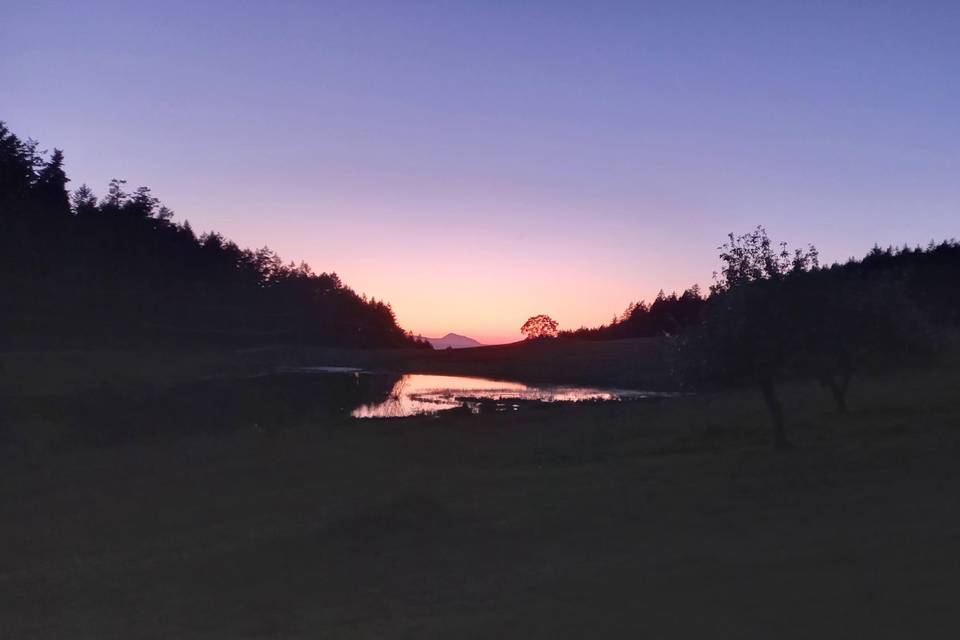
453,341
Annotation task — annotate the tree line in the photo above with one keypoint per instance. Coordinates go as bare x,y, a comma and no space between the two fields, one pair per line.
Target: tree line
78,270
667,315
774,315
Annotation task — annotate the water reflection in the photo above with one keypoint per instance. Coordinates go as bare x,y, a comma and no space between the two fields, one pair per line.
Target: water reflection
416,394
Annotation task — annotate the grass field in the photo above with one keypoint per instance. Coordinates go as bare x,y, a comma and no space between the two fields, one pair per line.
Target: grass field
645,519
638,362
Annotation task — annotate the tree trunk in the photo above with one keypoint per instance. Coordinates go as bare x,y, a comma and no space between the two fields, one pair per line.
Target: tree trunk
838,389
769,392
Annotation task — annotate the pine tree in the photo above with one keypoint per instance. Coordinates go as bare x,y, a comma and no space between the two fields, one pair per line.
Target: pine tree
83,202
51,186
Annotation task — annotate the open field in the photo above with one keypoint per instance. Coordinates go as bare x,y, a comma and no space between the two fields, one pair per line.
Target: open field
636,363
659,519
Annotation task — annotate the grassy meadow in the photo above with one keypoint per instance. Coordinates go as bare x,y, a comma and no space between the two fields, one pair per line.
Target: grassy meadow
662,518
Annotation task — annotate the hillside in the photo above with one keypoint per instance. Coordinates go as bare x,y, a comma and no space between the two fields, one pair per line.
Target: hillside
78,271
453,341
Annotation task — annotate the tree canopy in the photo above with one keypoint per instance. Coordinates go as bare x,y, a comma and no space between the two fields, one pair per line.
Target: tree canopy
539,326
774,315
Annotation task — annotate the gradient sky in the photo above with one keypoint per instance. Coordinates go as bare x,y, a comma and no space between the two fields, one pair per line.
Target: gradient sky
475,163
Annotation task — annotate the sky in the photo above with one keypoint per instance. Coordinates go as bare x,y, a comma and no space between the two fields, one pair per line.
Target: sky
476,163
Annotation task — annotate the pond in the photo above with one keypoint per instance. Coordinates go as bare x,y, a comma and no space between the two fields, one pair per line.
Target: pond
417,394
411,394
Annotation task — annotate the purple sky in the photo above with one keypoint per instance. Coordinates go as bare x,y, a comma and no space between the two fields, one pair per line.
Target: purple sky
477,163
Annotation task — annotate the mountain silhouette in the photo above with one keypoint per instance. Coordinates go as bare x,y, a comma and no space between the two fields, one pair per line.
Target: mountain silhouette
453,341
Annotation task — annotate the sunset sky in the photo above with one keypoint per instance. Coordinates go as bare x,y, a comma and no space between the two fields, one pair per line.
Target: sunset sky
476,163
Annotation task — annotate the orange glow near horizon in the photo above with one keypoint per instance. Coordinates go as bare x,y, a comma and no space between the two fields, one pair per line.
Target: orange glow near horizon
486,284
474,164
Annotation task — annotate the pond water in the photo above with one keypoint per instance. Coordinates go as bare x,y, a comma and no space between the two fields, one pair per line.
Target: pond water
416,394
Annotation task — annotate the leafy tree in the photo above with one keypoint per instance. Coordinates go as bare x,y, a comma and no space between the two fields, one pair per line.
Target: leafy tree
850,322
539,326
748,333
744,337
774,315
751,257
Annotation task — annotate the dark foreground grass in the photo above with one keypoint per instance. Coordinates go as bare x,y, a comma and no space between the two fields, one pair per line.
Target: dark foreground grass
666,519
